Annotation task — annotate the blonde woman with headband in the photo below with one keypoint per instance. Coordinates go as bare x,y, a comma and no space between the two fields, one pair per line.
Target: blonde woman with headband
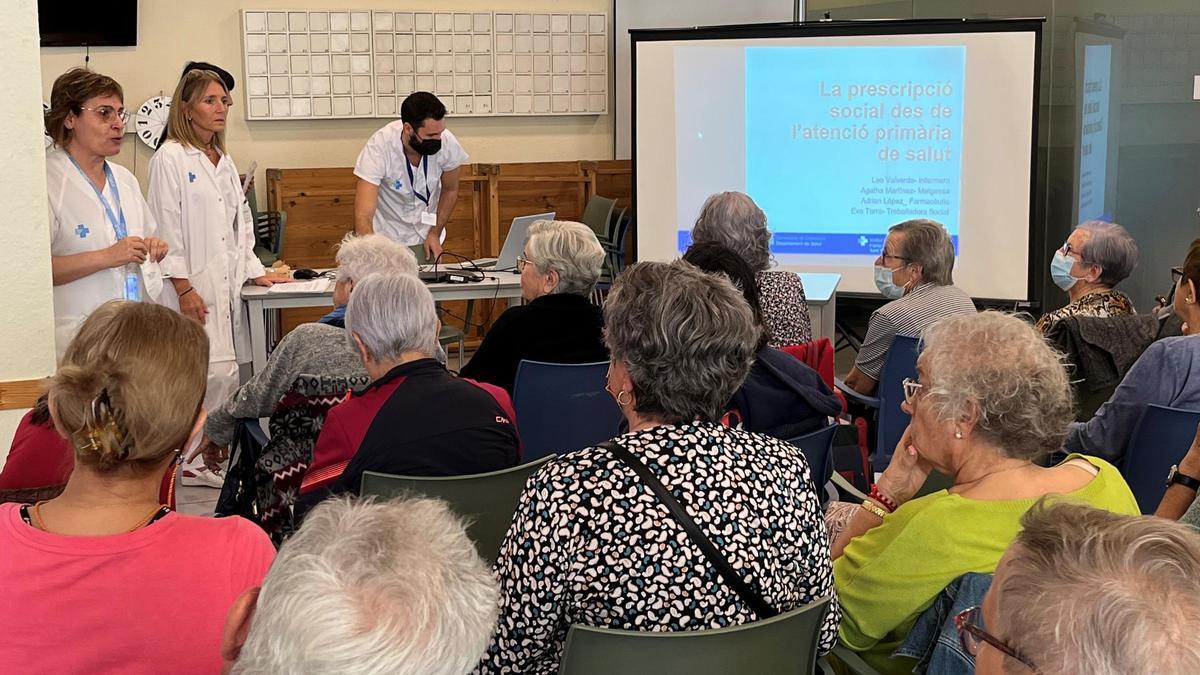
197,198
104,577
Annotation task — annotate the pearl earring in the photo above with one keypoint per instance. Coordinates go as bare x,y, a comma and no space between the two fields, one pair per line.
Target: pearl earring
957,433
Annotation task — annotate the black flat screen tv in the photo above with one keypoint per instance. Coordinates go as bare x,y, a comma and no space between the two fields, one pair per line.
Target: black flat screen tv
79,24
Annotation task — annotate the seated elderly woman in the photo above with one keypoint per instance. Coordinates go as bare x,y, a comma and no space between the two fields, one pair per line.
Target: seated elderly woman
368,587
1087,591
559,268
916,272
92,577
781,396
1167,373
317,349
591,542
1095,258
732,219
415,418
992,398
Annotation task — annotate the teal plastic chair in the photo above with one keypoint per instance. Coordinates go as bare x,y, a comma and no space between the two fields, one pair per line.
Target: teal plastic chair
486,500
597,214
782,645
848,663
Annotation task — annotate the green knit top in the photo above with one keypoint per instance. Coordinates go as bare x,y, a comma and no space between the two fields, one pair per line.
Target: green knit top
892,573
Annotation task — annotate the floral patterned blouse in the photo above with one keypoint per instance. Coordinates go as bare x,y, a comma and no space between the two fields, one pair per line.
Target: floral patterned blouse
591,544
1102,304
784,308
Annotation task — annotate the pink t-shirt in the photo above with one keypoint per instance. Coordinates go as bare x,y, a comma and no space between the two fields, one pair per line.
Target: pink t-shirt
150,601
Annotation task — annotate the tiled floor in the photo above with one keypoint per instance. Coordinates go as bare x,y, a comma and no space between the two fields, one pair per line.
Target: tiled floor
196,501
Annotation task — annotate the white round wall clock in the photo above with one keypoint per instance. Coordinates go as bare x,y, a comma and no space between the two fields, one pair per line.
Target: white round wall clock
45,136
152,120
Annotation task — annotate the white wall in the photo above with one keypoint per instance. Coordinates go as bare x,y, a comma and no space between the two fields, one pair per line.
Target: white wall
27,333
172,33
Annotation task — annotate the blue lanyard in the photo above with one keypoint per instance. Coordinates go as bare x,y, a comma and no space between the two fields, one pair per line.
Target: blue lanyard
412,182
117,220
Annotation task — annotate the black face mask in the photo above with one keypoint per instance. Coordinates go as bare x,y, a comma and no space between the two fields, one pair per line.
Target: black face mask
429,146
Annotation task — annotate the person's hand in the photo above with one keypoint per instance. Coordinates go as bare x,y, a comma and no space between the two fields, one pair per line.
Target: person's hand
214,456
1190,464
192,305
433,247
907,471
127,250
262,281
156,249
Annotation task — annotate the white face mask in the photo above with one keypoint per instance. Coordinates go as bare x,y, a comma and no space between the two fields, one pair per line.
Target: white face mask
885,282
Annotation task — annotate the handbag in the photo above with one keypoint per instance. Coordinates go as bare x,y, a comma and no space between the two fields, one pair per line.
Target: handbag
750,596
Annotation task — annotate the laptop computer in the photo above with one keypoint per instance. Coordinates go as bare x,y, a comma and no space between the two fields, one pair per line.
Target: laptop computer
514,243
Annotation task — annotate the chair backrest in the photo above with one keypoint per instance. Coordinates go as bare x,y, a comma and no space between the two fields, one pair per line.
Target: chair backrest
817,447
1160,439
597,213
782,645
486,500
901,363
563,407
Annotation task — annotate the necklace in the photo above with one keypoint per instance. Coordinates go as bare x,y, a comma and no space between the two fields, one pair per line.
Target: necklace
40,524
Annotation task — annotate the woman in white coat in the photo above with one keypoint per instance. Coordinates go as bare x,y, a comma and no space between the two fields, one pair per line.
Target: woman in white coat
202,212
102,242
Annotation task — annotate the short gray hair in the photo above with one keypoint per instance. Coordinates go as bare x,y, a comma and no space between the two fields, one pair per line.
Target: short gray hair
926,243
1088,591
1110,247
392,314
999,367
569,248
687,338
732,219
374,587
361,254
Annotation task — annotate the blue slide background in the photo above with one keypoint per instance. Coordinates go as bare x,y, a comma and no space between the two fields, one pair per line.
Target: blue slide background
832,196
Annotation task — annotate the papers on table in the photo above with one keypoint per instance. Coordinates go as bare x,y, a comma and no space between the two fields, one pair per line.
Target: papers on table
313,286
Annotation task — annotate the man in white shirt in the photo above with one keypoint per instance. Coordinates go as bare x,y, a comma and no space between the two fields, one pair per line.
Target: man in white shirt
408,176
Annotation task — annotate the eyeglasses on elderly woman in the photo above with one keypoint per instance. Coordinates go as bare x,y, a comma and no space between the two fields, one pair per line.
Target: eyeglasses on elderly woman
971,635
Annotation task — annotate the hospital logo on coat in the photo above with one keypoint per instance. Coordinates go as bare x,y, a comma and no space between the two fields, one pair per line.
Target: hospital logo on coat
82,231
397,185
191,177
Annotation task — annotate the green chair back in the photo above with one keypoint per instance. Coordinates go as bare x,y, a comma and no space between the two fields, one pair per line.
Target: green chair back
782,645
486,500
597,215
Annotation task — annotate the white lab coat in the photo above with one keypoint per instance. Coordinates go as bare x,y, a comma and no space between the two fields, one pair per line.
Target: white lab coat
195,205
79,224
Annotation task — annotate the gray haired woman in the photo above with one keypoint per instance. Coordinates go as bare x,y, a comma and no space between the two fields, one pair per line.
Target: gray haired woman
733,220
591,543
559,268
1095,258
992,398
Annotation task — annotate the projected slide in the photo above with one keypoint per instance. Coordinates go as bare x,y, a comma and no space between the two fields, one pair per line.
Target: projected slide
835,160
1098,104
838,138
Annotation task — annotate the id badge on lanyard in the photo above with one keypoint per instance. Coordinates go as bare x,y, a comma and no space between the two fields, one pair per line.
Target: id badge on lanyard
427,217
132,289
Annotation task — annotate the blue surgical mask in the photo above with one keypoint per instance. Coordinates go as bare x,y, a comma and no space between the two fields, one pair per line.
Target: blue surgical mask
1060,270
885,284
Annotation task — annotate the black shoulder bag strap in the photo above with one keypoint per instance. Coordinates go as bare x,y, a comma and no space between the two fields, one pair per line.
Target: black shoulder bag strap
748,595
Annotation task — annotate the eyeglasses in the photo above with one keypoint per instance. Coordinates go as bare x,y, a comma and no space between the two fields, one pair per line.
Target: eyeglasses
522,261
885,256
109,113
912,390
970,634
213,100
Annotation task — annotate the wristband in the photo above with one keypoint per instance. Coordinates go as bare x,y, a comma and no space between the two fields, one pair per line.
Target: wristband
874,508
886,502
189,290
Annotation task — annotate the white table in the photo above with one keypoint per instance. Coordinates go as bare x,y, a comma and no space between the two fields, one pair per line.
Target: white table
260,302
820,288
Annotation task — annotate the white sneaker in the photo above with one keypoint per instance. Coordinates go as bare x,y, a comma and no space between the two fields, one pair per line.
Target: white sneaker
202,477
